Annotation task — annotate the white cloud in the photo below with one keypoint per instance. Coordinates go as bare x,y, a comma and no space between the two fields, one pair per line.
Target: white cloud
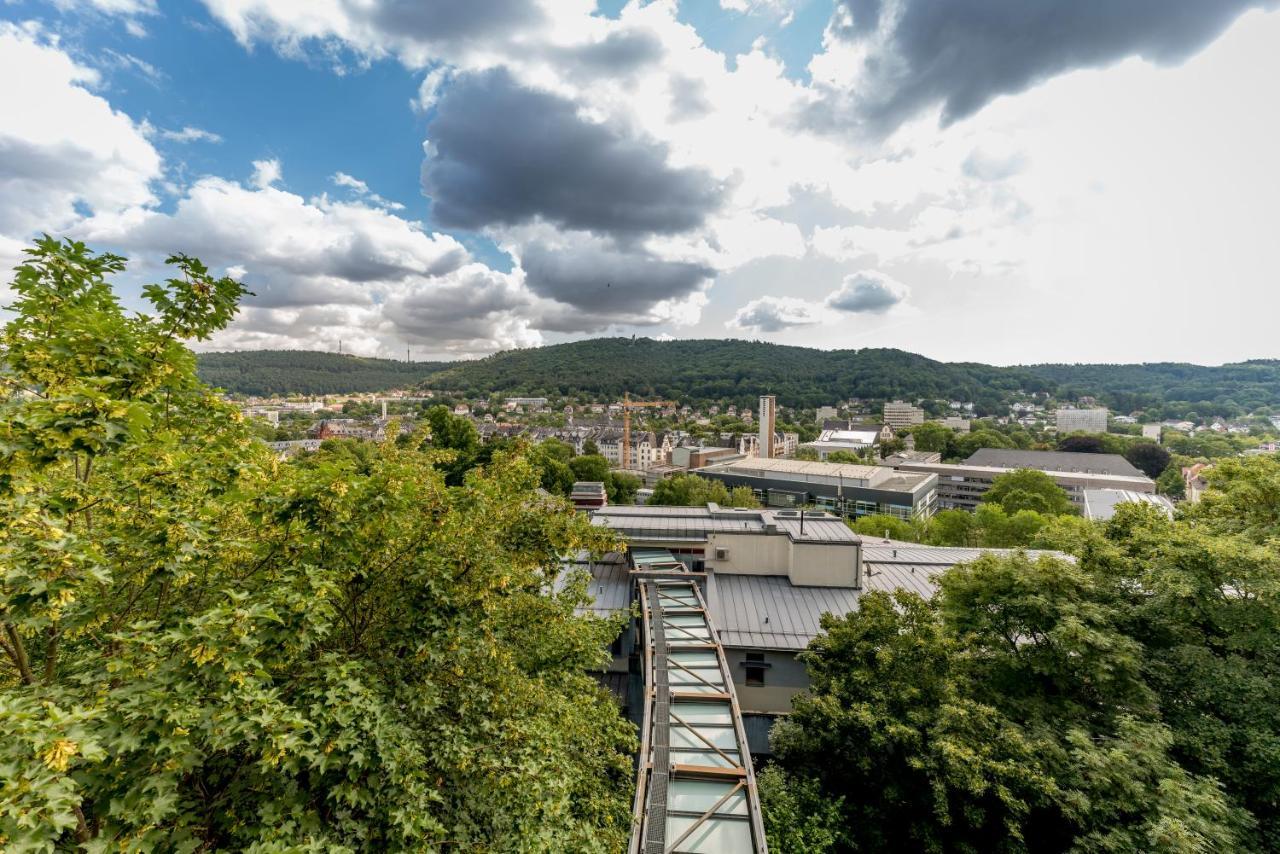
774,314
361,189
323,271
190,134
63,149
265,173
867,291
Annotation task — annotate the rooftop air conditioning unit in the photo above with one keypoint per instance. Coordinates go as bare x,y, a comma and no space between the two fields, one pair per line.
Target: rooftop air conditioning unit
722,554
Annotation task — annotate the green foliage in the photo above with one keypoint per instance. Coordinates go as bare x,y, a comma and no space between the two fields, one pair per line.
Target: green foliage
845,457
264,373
691,490
1028,489
932,436
964,446
879,525
590,467
1170,482
1149,458
622,487
1010,714
1128,701
738,371
1243,499
1210,446
799,819
202,648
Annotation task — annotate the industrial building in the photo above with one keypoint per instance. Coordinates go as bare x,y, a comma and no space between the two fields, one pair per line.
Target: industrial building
843,488
1101,504
960,486
766,576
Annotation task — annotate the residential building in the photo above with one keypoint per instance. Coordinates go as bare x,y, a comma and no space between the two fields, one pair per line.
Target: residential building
1193,481
956,423
768,424
1101,504
898,414
962,485
846,489
1151,431
825,412
1081,421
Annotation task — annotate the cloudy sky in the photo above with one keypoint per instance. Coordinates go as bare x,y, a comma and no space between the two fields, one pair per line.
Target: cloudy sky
1007,181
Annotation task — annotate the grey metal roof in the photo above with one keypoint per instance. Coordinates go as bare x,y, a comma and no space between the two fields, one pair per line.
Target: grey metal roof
769,612
1102,503
610,587
697,522
915,577
1062,461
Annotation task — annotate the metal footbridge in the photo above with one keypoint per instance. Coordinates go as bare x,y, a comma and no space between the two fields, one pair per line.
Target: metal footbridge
695,788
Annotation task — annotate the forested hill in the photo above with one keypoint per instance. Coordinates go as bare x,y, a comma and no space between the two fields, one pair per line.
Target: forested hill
1227,389
738,371
728,370
271,372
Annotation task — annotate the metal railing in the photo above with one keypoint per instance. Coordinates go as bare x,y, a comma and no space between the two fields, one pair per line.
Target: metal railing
695,787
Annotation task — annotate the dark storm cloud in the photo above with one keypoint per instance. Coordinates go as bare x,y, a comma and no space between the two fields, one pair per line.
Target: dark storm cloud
505,155
430,21
600,280
617,53
964,53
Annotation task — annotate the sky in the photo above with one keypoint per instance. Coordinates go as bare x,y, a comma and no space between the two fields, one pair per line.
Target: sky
1002,181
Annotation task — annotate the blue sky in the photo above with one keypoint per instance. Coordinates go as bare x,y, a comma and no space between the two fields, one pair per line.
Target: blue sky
465,177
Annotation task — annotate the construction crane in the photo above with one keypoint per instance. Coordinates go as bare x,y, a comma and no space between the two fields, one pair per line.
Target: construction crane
627,405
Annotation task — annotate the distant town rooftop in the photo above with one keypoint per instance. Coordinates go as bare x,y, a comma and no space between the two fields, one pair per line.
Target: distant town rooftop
1063,461
828,474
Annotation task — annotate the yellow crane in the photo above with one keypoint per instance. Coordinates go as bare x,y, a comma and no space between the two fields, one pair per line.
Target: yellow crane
627,405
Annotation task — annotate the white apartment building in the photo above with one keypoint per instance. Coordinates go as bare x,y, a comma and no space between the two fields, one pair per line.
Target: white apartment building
1082,420
898,414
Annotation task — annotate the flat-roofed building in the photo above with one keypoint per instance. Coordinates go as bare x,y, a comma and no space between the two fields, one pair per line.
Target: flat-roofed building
1081,420
844,488
849,441
767,579
1101,504
899,413
962,485
588,495
688,457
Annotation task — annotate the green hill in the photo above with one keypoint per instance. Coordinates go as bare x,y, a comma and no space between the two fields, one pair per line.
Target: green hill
729,370
273,372
738,371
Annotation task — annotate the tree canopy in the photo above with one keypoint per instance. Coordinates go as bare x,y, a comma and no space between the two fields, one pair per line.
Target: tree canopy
205,648
1028,489
1125,700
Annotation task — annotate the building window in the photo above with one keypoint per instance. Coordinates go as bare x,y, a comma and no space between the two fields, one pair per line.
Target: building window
755,667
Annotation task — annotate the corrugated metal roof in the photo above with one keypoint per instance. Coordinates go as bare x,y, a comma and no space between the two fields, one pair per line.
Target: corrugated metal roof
888,577
769,612
610,587
1102,503
1060,461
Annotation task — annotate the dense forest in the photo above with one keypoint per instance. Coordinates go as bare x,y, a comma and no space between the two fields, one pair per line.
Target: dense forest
272,372
737,371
